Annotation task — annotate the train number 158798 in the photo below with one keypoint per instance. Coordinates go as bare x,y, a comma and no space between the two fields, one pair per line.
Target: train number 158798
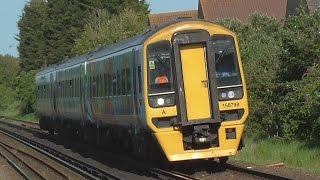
231,105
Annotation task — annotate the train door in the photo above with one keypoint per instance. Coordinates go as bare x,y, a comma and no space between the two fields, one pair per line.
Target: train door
86,94
53,94
196,81
137,81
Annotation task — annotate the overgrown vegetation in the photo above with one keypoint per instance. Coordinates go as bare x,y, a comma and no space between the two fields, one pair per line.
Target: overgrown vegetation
281,62
15,95
103,29
293,154
49,28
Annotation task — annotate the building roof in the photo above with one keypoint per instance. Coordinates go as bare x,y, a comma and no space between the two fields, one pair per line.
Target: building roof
313,5
213,10
157,19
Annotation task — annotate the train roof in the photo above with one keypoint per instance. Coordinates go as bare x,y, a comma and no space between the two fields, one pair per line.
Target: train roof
110,49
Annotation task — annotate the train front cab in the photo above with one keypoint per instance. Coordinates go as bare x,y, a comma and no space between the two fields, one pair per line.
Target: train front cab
196,95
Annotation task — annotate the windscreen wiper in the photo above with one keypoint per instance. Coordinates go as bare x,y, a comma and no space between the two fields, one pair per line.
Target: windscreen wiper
162,61
222,54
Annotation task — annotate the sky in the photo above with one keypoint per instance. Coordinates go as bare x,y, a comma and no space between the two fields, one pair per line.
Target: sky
11,10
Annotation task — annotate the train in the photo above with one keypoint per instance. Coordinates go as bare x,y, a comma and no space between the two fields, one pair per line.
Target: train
178,89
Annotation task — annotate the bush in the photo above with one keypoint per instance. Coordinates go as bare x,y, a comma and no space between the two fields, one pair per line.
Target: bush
25,83
299,112
281,68
103,29
7,97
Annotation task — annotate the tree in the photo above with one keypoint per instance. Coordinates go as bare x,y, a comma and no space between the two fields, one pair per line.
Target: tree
114,7
32,42
8,70
299,112
65,24
49,28
103,29
25,91
301,44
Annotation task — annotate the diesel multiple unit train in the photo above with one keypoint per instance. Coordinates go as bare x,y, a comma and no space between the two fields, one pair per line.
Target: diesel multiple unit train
179,87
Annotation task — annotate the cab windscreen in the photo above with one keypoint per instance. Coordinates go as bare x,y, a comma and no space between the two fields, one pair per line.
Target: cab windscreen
160,78
160,68
227,68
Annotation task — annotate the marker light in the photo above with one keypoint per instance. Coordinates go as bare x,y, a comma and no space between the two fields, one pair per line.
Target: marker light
223,95
160,101
231,94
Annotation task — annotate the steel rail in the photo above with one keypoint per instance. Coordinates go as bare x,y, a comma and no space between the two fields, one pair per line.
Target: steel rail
22,171
160,173
256,173
82,168
176,175
35,158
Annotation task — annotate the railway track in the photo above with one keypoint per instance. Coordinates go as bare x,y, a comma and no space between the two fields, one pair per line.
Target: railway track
18,161
164,174
90,172
70,162
32,125
255,173
85,170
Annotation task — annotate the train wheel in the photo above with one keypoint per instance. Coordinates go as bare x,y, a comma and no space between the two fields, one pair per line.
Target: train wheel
89,135
223,163
143,148
51,132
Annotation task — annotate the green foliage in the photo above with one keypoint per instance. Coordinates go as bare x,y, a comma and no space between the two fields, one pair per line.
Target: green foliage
32,26
49,28
6,98
301,45
281,66
103,29
8,70
116,6
25,85
294,154
65,24
299,111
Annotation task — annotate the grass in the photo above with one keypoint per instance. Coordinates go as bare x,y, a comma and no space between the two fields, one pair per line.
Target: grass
12,111
28,117
294,154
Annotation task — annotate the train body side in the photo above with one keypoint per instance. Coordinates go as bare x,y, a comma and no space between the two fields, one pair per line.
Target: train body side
100,90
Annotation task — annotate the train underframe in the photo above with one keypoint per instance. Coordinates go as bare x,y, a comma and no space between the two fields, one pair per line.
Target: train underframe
189,143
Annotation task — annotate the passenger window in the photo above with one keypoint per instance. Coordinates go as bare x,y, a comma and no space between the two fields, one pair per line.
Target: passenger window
139,79
97,86
128,75
118,83
101,86
114,84
105,77
109,84
123,81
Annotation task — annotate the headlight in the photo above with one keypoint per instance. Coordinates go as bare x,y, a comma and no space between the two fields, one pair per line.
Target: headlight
162,100
226,94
